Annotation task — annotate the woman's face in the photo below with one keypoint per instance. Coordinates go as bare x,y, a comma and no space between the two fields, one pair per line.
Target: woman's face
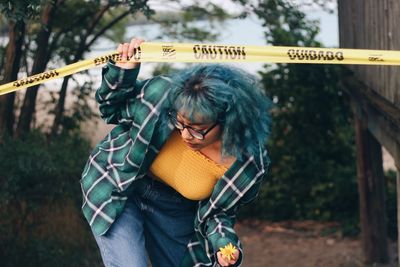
211,137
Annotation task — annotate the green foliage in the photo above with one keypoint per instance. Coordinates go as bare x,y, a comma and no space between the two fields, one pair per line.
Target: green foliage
33,169
90,20
286,25
197,21
81,109
118,32
38,175
40,180
49,252
20,9
164,69
312,147
135,6
313,173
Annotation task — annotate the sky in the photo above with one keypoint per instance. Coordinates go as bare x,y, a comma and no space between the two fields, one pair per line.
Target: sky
329,21
239,31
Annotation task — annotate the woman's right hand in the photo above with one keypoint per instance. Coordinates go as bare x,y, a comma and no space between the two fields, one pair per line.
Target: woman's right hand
126,51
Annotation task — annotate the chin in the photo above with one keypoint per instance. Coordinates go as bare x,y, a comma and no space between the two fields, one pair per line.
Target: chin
193,146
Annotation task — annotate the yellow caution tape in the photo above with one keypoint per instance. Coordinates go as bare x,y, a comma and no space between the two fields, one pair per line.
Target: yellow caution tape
177,52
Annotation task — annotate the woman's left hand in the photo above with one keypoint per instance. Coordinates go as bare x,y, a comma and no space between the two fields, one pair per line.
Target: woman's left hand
223,261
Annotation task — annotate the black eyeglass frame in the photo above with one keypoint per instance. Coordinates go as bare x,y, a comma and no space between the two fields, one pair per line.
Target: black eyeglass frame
181,126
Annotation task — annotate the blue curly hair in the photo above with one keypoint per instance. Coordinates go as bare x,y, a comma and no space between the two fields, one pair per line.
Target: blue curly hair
229,95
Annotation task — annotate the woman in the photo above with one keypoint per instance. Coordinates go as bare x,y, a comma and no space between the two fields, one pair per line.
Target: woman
185,154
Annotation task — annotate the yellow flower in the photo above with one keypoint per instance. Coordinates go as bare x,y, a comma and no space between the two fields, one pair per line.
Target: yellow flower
228,251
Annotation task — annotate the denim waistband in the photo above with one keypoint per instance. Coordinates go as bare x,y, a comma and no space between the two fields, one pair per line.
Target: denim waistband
154,190
147,181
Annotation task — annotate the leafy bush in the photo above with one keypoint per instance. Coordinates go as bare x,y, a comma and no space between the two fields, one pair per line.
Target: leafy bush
313,173
40,218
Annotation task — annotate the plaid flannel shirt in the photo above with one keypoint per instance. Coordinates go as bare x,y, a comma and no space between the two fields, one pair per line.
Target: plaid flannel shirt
126,153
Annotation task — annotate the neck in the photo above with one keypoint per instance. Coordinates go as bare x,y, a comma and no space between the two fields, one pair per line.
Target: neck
215,147
214,152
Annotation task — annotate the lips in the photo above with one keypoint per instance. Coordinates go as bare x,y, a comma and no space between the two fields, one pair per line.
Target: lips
190,145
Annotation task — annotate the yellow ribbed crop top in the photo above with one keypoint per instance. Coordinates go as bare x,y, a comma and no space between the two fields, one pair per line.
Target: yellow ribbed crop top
189,172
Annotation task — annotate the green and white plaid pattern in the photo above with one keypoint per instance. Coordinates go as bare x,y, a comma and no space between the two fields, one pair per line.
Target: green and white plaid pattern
126,153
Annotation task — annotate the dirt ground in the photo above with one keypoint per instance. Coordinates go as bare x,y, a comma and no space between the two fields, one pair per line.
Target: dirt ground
300,244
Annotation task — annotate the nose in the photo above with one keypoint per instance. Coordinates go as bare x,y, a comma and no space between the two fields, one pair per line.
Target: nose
186,135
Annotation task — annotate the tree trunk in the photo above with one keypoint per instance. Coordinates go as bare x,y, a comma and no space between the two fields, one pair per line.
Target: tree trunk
16,36
83,46
39,65
60,108
398,211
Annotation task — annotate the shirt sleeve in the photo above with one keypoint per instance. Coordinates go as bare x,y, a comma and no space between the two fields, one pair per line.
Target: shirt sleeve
117,93
253,192
220,232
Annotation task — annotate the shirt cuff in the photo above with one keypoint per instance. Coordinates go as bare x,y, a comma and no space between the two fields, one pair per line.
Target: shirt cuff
116,75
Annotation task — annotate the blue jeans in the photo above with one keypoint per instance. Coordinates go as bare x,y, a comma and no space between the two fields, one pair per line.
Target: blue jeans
156,219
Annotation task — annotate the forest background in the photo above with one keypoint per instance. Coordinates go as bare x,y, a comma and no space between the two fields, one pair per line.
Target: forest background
45,131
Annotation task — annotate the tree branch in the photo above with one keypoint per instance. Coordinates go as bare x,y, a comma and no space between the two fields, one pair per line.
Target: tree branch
97,18
108,26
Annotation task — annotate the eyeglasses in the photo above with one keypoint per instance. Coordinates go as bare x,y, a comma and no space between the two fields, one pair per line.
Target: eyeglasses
193,132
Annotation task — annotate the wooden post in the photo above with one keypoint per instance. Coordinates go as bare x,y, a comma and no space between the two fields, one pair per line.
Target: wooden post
371,187
398,212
